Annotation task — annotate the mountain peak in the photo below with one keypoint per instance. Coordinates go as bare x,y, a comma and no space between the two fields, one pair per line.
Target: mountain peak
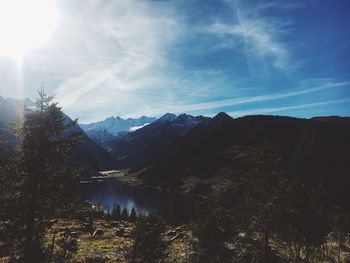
115,125
168,117
221,118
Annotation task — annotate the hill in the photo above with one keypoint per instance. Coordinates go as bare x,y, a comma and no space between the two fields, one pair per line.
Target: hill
140,147
211,156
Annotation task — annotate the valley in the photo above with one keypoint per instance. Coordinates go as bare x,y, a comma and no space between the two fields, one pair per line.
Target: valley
251,187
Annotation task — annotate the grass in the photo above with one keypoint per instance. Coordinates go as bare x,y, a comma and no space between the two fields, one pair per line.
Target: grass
124,176
110,247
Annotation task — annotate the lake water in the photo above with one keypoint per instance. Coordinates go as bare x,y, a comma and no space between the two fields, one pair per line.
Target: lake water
174,207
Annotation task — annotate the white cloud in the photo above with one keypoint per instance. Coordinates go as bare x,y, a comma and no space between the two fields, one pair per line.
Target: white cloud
261,36
121,51
286,108
282,5
258,40
135,128
180,108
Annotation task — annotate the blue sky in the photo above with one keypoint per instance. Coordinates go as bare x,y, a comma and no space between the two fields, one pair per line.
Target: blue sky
133,58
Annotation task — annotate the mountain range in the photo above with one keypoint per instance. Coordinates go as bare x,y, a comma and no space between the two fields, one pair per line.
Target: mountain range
105,130
210,156
141,146
202,155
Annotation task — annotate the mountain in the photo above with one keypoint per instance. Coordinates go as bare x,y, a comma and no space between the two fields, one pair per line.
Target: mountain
86,153
8,111
105,130
141,146
211,156
89,153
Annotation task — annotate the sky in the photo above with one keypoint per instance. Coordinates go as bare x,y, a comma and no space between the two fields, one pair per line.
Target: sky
131,58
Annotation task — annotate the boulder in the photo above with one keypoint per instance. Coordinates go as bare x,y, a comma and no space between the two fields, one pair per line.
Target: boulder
120,232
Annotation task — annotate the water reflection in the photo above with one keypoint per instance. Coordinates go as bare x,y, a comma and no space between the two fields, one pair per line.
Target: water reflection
175,208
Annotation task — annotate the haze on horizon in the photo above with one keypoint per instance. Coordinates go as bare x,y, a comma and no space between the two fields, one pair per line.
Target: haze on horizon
132,58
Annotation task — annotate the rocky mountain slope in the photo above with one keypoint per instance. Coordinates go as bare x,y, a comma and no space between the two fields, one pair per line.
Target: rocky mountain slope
142,146
111,127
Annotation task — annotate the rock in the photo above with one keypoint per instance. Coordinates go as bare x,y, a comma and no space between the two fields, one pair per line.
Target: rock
86,228
120,232
107,225
98,232
123,223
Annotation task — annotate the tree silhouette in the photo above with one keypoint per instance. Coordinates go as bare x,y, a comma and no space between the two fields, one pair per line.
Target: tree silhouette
116,212
133,215
125,214
148,244
41,174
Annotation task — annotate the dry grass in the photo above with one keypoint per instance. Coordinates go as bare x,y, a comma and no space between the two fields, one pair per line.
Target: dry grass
107,246
111,247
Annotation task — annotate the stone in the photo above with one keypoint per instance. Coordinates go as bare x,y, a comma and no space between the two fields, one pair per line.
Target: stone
86,228
120,232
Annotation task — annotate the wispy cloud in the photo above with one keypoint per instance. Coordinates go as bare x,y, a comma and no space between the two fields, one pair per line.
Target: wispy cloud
127,41
135,57
259,41
282,5
286,108
179,108
261,36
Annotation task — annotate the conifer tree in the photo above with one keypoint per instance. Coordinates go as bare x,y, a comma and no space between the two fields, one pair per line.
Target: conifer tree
125,214
116,212
148,244
133,215
42,176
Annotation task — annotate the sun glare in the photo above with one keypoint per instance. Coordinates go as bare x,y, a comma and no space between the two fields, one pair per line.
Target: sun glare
25,24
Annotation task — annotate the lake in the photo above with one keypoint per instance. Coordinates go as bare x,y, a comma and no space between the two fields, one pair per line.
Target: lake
173,207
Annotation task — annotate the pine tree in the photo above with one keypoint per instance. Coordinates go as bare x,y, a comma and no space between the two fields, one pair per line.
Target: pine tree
116,212
125,214
211,242
148,244
133,215
41,170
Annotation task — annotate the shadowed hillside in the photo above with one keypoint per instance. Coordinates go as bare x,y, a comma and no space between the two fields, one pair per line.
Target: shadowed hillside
314,150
